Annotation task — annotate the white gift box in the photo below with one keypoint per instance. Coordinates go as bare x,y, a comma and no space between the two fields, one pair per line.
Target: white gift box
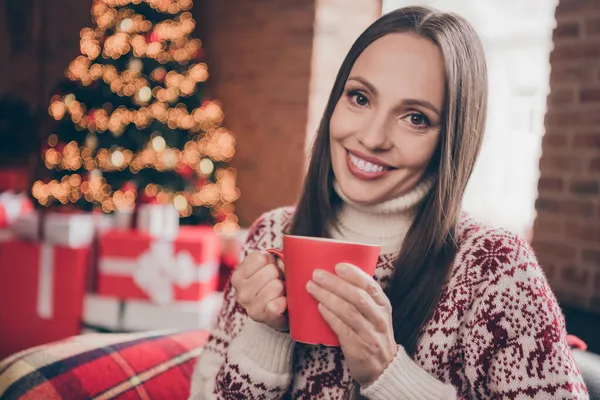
158,220
72,230
27,226
112,314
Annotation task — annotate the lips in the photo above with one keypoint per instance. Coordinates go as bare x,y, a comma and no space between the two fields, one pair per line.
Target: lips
366,168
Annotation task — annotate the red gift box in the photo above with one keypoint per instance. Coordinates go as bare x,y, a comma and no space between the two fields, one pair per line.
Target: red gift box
135,265
42,290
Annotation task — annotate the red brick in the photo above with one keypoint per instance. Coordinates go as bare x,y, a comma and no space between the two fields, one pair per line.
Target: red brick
584,186
586,232
583,50
572,72
576,7
555,141
587,141
574,276
566,207
545,227
561,96
566,29
561,163
592,256
594,165
589,95
548,184
592,26
565,118
554,250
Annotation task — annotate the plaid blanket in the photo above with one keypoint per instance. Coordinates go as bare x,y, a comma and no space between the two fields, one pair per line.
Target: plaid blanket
150,365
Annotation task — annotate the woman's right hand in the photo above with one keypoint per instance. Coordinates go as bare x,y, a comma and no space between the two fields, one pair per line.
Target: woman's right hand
259,287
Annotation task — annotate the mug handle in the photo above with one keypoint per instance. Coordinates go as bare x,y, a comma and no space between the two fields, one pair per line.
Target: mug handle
277,253
278,257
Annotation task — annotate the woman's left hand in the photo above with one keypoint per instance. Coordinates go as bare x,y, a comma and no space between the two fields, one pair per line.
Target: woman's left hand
360,314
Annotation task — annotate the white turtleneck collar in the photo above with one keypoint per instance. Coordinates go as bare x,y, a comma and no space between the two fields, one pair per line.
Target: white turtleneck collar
384,224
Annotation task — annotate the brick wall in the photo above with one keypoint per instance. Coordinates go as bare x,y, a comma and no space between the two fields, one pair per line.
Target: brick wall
259,57
567,227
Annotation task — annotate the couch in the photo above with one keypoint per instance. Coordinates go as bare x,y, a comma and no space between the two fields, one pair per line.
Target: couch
150,365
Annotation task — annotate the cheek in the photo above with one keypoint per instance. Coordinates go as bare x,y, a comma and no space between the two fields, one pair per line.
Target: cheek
417,151
342,123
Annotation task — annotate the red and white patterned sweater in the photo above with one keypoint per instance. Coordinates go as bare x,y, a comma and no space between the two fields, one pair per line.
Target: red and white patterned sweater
497,332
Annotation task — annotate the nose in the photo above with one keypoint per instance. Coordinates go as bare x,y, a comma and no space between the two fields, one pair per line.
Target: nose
374,135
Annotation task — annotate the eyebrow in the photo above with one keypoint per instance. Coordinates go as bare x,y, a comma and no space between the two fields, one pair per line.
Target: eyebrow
406,102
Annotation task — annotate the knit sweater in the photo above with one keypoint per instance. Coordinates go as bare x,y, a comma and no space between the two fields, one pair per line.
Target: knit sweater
497,330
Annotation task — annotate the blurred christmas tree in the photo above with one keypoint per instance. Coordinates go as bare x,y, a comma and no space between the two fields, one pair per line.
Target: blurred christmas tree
134,125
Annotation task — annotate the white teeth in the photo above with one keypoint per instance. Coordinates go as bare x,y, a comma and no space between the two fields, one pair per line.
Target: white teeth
365,165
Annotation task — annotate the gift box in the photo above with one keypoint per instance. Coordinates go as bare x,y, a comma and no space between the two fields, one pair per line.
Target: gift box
134,265
109,314
231,250
42,287
158,220
13,206
68,229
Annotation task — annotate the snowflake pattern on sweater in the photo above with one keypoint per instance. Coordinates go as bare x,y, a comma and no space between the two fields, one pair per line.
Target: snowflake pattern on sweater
497,331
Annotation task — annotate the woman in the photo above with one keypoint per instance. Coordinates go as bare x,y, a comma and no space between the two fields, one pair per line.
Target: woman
455,309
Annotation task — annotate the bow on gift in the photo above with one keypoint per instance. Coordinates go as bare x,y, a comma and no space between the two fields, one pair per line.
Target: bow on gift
12,206
160,268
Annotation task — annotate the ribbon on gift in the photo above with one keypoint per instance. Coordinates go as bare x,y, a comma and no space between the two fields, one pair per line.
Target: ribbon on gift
159,268
12,207
45,294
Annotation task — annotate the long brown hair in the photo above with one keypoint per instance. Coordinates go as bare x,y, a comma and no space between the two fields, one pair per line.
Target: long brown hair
428,250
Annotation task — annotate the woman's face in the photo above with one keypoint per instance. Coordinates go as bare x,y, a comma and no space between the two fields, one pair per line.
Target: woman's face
386,125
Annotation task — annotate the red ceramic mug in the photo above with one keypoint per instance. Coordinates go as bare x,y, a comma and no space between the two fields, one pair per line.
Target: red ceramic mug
301,256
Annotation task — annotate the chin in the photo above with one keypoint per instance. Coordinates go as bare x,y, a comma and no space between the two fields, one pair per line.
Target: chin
360,192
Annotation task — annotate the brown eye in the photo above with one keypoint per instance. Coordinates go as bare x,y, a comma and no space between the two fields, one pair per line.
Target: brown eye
357,98
361,99
418,119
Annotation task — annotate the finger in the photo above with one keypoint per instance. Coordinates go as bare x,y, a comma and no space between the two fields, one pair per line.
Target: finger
254,263
277,317
270,291
277,306
263,276
247,289
337,325
344,310
356,276
352,294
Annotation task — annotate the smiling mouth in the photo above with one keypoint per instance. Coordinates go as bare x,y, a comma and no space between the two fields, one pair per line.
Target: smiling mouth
367,166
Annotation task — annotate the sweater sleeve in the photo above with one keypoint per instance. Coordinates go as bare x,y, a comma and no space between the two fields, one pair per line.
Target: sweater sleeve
405,379
243,359
515,338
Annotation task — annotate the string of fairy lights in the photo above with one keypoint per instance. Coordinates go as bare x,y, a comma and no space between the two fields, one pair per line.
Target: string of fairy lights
158,97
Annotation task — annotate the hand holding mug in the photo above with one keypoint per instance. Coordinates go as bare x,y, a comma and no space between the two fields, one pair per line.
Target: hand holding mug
260,290
358,311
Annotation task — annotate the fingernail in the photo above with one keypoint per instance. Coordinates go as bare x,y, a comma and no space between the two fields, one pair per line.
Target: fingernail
310,286
318,275
341,268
